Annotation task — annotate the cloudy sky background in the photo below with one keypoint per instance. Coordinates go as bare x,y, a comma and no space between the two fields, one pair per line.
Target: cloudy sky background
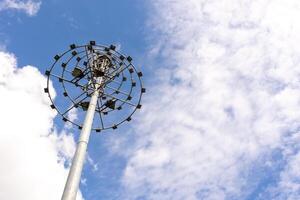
220,120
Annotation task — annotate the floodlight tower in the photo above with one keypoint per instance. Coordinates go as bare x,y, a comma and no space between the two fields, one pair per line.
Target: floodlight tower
92,79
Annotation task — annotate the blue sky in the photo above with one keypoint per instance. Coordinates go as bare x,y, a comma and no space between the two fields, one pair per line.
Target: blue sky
220,119
65,23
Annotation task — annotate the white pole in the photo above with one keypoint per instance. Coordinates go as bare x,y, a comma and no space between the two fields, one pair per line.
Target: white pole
73,180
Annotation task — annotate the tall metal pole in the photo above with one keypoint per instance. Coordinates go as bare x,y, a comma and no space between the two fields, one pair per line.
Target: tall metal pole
73,180
99,71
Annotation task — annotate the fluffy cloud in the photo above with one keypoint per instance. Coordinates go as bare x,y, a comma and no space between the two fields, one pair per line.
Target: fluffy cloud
29,7
32,153
224,118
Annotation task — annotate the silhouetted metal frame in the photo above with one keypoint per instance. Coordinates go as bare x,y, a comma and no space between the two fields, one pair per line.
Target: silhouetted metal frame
116,57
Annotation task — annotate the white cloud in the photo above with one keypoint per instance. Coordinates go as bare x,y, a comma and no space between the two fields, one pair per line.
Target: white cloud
228,98
30,7
32,153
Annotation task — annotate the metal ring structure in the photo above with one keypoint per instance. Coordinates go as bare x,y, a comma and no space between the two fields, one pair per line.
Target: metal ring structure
73,76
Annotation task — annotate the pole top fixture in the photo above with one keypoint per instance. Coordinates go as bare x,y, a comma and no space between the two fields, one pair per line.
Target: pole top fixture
73,74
